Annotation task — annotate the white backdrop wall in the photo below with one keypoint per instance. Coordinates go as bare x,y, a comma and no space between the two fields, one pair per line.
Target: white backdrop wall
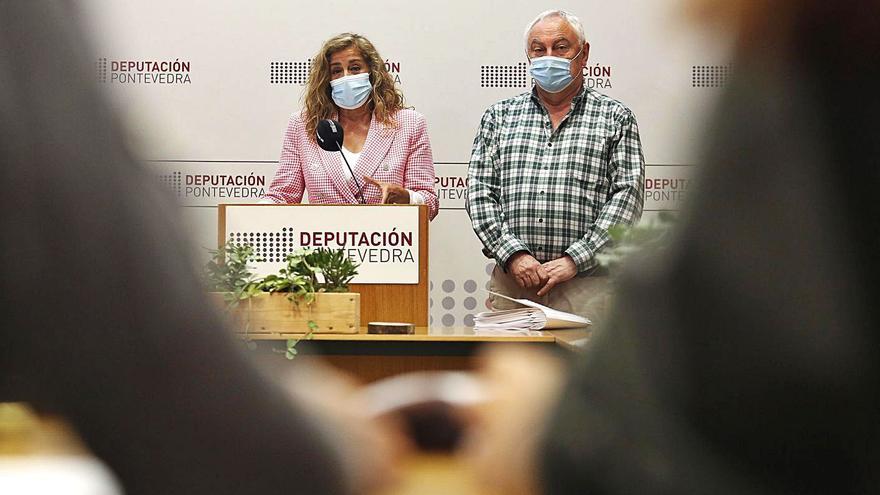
208,85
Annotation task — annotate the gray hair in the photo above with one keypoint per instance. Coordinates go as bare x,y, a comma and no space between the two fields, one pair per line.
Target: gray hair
570,18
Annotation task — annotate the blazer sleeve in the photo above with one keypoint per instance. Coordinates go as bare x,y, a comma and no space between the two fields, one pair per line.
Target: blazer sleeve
420,175
288,184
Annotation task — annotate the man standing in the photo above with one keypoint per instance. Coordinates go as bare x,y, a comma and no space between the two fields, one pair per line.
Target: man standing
551,170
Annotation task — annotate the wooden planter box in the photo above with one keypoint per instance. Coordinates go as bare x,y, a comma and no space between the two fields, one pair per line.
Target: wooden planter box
337,312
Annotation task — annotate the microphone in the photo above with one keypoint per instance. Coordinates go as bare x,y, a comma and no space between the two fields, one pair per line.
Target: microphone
330,138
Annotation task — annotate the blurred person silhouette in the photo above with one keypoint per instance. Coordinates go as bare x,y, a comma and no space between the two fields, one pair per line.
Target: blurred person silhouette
746,359
104,319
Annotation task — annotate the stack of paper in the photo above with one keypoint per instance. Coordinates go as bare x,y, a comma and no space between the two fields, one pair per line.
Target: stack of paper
522,320
526,320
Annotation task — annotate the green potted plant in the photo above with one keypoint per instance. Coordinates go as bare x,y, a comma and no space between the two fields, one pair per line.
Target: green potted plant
309,295
626,240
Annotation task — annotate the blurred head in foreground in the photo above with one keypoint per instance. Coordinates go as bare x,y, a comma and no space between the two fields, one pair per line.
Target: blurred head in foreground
745,359
103,319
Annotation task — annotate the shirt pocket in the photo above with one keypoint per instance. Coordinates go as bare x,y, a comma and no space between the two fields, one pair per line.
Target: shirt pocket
588,183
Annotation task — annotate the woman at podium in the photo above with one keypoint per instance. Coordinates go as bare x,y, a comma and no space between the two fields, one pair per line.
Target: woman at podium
354,141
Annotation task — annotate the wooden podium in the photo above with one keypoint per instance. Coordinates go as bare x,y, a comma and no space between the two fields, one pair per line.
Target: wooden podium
395,290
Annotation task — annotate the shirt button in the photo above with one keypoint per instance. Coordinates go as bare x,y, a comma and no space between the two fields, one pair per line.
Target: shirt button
549,144
540,220
542,192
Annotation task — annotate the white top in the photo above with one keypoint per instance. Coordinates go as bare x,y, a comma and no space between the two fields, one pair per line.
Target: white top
352,158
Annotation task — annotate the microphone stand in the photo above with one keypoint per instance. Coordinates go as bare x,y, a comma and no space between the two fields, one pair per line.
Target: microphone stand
360,195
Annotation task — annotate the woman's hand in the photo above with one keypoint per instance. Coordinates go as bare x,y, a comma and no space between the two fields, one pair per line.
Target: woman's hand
392,194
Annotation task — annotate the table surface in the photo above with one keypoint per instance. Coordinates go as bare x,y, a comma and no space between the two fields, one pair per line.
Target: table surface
573,339
567,338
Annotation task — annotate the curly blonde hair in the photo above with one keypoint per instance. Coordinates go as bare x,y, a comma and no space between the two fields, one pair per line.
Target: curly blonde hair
385,100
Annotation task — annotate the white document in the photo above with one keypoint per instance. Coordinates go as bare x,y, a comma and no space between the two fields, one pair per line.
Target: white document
512,322
533,317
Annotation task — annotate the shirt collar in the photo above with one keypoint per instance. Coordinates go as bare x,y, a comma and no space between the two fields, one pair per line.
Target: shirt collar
574,101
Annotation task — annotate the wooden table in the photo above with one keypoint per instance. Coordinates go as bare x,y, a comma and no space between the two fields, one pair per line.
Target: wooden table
372,357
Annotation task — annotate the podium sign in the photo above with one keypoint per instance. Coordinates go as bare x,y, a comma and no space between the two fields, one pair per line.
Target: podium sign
384,241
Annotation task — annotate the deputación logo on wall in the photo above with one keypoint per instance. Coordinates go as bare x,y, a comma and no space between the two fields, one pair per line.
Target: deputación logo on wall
148,71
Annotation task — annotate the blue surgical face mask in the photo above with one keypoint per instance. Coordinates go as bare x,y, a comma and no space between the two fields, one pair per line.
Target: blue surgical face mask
553,74
351,92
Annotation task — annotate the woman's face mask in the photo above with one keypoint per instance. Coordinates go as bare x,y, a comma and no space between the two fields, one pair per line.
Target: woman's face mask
350,92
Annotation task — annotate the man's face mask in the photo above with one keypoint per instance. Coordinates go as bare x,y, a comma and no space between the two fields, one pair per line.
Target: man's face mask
553,74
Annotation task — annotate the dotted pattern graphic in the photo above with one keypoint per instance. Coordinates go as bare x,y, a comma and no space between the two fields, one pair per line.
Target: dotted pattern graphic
503,76
101,69
289,72
456,302
270,247
710,76
173,182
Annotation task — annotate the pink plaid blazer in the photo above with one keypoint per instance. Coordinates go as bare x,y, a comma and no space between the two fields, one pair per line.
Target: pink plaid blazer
400,155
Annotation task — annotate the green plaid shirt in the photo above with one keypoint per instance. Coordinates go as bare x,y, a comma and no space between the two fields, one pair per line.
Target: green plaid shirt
552,193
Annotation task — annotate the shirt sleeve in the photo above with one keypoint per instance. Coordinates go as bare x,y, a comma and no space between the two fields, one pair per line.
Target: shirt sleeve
627,194
415,198
483,196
